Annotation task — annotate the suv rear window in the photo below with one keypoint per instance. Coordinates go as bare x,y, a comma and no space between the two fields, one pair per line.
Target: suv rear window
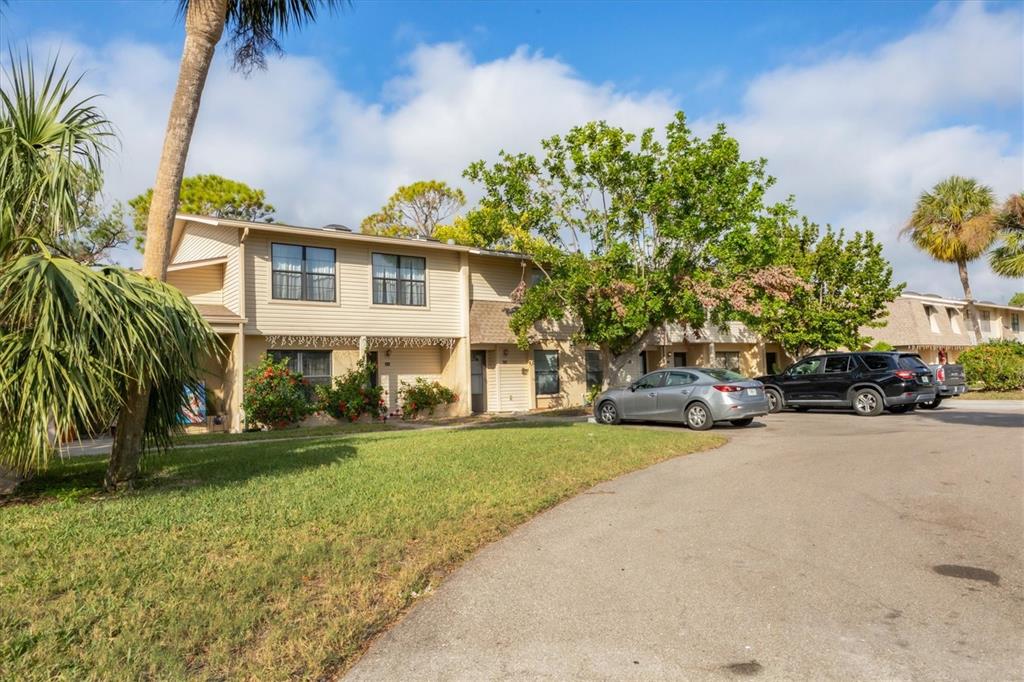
876,361
911,362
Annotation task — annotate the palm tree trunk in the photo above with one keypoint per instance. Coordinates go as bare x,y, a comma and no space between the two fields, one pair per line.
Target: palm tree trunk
204,25
972,311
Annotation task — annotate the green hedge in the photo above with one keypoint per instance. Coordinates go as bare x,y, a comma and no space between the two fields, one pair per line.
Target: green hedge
997,364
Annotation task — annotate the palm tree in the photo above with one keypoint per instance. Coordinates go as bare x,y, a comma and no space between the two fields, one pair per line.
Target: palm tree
1007,259
255,25
73,337
953,223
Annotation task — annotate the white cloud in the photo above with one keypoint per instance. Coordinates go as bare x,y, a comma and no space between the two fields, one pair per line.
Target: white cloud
856,137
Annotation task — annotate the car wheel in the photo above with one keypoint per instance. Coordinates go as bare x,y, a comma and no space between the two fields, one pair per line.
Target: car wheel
698,417
746,421
607,413
901,409
933,404
774,401
867,403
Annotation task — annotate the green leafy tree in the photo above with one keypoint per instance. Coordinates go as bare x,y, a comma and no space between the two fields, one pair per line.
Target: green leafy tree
255,26
209,195
954,223
847,284
98,233
629,232
415,210
72,337
1007,259
1017,299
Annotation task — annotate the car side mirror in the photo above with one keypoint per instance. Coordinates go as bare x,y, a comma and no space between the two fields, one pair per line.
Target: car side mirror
632,388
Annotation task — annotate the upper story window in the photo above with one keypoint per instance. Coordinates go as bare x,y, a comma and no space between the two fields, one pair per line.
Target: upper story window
399,280
302,273
986,321
933,318
954,320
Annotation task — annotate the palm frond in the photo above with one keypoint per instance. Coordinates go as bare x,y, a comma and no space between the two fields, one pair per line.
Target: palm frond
72,338
51,150
1007,259
953,222
256,25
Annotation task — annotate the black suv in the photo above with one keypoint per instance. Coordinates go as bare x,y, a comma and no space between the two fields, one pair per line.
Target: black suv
869,382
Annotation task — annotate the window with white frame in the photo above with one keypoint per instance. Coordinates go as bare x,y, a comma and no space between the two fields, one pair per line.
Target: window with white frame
302,273
545,372
933,318
954,320
986,321
314,365
399,280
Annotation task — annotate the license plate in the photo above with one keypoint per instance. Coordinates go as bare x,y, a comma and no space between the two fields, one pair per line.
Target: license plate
751,391
926,380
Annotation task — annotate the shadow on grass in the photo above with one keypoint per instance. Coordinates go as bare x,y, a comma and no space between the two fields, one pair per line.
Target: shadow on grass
81,478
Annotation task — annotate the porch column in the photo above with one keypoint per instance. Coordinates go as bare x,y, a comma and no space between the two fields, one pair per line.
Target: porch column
236,365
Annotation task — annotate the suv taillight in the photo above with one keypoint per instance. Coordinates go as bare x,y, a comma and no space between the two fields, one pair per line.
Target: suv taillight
940,373
725,388
904,374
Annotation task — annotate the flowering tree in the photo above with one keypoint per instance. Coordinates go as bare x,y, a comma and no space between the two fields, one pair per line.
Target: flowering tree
273,395
632,232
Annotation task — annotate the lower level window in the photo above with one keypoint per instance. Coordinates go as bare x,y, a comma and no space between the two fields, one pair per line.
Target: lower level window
545,371
315,365
679,359
595,373
729,359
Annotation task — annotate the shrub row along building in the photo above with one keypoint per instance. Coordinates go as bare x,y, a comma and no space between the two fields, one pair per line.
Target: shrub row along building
324,297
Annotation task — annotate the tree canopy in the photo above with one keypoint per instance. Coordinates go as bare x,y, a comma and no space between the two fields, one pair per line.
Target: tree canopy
631,232
416,210
1017,299
210,195
1007,258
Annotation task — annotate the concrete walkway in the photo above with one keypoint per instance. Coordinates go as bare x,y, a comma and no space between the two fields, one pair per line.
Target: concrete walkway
818,546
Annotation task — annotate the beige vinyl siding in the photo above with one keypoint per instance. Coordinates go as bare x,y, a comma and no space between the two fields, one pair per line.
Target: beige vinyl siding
407,364
352,313
201,285
203,242
509,381
494,278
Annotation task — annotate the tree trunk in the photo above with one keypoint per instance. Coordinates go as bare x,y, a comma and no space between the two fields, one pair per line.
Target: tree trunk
617,362
972,311
204,24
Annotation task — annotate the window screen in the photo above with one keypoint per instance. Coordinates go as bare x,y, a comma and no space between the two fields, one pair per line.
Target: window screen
399,280
545,371
302,273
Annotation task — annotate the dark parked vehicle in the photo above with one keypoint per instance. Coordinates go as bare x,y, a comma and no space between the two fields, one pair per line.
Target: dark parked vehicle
867,382
950,381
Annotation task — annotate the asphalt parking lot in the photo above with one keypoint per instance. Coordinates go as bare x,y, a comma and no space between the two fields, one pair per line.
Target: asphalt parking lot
812,546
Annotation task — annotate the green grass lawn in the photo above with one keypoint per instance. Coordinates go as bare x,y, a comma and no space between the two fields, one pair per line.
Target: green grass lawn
276,559
992,395
303,432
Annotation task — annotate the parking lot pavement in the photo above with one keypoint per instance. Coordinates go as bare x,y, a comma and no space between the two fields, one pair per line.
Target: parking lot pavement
812,546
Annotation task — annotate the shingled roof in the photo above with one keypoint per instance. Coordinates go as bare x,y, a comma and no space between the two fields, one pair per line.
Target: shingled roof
908,325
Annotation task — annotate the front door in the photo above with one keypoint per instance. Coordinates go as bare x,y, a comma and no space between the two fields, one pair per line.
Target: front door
477,380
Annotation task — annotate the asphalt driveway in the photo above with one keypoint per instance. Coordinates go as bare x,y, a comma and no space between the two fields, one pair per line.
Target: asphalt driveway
819,545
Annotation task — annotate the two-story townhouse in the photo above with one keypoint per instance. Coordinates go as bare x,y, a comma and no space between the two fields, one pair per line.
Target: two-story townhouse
931,325
324,297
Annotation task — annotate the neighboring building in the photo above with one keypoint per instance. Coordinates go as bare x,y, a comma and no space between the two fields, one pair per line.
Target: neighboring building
323,297
930,324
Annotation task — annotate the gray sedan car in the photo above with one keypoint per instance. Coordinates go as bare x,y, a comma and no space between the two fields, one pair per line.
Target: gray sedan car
695,396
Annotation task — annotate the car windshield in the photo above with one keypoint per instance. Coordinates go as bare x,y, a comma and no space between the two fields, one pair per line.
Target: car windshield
723,374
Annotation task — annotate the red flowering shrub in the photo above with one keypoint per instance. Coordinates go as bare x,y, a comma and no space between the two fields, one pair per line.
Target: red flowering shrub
424,395
273,395
352,396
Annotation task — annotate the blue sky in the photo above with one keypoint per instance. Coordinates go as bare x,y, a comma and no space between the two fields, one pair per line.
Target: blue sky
857,106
